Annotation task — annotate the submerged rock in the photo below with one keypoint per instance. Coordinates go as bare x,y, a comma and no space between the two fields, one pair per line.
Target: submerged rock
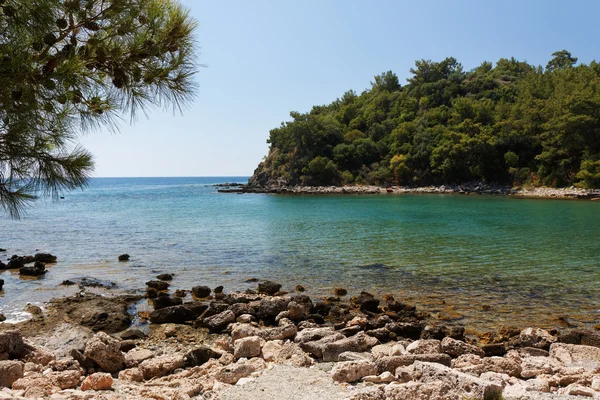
124,257
158,285
45,258
165,277
38,269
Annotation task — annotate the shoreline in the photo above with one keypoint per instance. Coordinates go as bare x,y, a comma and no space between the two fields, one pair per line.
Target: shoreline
467,189
209,344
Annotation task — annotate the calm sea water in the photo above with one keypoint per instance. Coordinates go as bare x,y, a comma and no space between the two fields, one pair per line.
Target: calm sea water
479,260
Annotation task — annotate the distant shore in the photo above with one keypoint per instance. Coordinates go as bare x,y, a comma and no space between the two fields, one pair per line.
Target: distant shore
484,189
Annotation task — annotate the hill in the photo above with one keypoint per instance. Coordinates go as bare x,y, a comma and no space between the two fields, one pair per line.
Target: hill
509,123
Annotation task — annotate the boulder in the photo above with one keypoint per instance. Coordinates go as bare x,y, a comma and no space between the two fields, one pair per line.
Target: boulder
352,371
340,292
359,342
391,363
97,381
272,306
241,369
12,344
405,330
10,371
268,287
247,347
45,258
584,337
502,366
105,351
177,314
316,348
35,385
456,348
425,346
279,333
124,257
161,366
218,322
533,337
314,334
494,349
38,269
370,306
201,291
578,355
242,308
166,301
200,355
295,311
131,375
68,379
158,285
164,277
1,282
135,357
271,350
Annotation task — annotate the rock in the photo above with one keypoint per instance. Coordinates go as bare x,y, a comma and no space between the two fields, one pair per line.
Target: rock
397,350
180,293
161,366
158,285
242,308
35,385
354,356
579,390
292,354
279,333
241,369
271,350
166,301
105,351
97,381
370,306
45,258
456,348
177,314
131,375
16,263
10,371
359,342
65,379
382,350
573,354
448,384
295,312
200,355
124,257
405,330
391,363
300,288
494,349
132,333
38,269
381,334
38,355
533,352
386,377
268,287
1,283
164,277
314,334
11,344
534,337
425,346
352,371
2,317
218,322
201,291
151,293
584,337
247,347
340,292
272,306
135,357
316,348
502,366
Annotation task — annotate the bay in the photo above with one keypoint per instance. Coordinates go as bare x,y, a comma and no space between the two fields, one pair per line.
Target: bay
479,260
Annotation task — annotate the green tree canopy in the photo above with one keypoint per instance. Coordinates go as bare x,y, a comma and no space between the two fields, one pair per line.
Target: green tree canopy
508,122
69,66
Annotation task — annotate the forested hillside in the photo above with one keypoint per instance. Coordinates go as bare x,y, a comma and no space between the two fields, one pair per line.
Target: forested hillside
511,123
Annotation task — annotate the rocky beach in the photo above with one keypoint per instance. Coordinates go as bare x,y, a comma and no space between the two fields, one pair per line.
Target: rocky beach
265,343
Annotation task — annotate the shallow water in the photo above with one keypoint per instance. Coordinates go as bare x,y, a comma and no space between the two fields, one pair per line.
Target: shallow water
530,260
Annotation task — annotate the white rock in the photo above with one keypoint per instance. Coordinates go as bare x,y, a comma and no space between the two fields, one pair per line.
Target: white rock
425,346
352,371
397,350
271,349
247,347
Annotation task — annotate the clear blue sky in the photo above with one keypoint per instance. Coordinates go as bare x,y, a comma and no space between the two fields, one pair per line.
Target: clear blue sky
266,58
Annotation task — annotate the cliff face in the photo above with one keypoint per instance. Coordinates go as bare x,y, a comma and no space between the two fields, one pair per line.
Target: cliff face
513,124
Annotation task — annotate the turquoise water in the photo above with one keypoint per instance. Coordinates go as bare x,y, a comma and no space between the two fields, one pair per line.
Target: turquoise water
529,260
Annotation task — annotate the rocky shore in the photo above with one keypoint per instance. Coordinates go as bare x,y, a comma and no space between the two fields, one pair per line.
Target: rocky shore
263,344
470,188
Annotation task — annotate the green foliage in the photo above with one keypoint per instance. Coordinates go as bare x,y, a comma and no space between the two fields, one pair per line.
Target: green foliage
70,66
511,123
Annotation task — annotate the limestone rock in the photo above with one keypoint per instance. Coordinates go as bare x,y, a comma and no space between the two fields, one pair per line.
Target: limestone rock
241,369
10,371
131,375
135,357
105,351
579,355
456,348
11,343
502,366
97,381
65,379
391,363
247,347
355,356
272,306
161,366
177,314
352,371
314,334
386,377
426,346
271,350
359,342
218,322
279,333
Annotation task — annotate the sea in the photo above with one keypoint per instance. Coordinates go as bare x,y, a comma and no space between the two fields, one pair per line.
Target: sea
482,261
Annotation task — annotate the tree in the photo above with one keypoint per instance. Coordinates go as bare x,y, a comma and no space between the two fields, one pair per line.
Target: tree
69,66
562,59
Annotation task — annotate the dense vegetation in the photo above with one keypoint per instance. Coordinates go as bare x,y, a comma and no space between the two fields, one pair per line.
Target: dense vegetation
512,123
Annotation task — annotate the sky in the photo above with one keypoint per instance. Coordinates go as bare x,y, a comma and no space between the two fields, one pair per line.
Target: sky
262,59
